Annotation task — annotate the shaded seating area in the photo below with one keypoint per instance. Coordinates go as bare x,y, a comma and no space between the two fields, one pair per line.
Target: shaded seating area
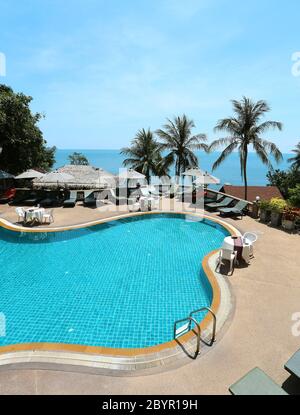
236,211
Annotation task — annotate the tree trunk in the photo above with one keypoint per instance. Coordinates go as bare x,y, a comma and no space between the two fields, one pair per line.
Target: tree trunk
245,175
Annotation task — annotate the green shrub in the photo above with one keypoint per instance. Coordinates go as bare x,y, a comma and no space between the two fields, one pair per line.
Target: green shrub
277,204
294,196
264,205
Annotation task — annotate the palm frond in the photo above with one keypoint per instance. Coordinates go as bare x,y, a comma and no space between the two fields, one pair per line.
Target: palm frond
225,153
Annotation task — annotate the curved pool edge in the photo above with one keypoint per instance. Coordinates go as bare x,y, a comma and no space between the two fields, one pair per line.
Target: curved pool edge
114,361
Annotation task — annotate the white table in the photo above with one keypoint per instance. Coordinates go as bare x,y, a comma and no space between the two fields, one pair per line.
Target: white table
34,214
228,243
148,203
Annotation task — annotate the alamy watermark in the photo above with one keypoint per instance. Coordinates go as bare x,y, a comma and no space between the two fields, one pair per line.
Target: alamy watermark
296,325
2,325
2,64
296,64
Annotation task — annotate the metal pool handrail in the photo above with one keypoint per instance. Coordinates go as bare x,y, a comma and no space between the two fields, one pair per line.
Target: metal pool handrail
213,337
178,332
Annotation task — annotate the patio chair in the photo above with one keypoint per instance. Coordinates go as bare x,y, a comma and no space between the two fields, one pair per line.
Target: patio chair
250,238
52,199
237,210
48,216
71,201
293,365
256,382
224,203
228,255
21,214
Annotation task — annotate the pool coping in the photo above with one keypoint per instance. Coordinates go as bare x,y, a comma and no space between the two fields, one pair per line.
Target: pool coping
116,360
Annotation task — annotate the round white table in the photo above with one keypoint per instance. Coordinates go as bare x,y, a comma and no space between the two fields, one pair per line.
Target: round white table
34,214
228,243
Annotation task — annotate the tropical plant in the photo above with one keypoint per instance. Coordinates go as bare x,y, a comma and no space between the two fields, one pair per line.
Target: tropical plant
296,159
244,129
144,155
21,140
177,139
78,159
284,180
294,196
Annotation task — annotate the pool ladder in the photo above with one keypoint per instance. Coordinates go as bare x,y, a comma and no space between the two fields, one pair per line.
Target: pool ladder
187,327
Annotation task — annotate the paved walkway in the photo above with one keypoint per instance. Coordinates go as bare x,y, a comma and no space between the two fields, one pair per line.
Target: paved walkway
267,294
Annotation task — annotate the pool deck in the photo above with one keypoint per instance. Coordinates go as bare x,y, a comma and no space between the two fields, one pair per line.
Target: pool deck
267,294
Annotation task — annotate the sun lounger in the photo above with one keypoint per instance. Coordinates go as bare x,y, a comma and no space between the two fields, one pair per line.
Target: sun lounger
256,382
71,201
293,364
214,206
90,200
31,200
237,210
211,200
51,200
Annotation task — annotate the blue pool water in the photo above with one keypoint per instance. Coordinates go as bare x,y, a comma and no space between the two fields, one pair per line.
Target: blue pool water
120,284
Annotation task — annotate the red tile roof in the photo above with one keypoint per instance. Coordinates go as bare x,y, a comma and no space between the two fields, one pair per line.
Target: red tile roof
264,192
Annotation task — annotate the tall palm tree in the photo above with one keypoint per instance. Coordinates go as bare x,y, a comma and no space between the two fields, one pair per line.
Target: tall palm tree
296,159
245,129
144,155
177,137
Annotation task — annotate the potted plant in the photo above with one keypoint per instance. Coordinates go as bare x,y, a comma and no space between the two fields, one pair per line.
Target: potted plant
264,211
288,219
277,206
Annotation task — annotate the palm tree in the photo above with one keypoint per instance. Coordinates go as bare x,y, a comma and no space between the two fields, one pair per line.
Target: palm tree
295,160
177,137
245,129
144,155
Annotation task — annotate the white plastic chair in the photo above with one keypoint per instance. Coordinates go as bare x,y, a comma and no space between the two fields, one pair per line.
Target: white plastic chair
21,214
226,254
48,216
250,238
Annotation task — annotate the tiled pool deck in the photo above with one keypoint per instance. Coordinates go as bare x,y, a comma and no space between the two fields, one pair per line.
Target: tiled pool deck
267,294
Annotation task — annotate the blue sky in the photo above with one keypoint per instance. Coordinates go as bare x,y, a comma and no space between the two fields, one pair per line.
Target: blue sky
100,70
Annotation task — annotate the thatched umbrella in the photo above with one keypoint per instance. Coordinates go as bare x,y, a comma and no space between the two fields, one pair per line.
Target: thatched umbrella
78,177
131,178
206,179
53,179
30,174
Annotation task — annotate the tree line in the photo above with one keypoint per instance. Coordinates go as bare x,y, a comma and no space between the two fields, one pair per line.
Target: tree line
22,145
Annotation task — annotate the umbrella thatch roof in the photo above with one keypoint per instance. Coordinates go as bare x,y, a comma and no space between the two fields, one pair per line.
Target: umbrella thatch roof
79,177
205,179
30,174
130,178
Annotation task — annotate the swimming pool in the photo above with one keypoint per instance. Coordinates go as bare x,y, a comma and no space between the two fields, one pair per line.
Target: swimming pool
120,284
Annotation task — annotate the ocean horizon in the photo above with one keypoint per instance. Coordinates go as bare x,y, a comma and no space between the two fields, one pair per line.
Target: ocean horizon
228,172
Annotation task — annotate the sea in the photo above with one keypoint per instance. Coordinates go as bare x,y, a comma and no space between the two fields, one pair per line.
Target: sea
228,173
